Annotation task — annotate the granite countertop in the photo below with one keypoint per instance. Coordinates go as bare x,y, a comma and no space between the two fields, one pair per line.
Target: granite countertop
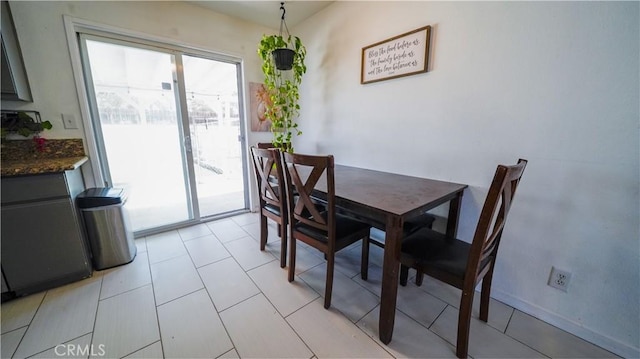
26,157
41,166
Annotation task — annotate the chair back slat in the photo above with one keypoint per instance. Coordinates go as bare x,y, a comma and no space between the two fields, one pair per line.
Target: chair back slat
493,216
304,204
268,167
303,173
265,145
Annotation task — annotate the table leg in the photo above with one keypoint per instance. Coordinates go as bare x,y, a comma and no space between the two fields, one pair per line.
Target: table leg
454,215
390,268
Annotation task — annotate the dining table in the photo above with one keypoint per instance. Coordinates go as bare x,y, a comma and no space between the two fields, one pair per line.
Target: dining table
386,200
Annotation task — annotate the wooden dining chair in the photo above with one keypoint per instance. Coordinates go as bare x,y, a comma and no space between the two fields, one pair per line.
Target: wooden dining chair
462,264
324,230
273,203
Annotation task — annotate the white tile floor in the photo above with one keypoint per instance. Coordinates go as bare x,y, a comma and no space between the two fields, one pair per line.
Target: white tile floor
208,292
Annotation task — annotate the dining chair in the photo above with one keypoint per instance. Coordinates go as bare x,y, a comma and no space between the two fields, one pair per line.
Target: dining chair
462,264
324,230
273,204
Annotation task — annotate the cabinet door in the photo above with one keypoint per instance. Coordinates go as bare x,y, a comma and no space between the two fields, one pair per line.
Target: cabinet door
42,245
15,85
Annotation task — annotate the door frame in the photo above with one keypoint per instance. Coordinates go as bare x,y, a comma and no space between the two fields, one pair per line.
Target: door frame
93,173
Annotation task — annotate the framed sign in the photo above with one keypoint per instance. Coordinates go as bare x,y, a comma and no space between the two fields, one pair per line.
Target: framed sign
402,55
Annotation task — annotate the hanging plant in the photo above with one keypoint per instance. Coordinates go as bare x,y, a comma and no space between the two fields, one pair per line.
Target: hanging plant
282,81
283,58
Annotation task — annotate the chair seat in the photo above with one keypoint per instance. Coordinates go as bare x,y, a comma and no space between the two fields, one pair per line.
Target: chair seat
435,250
345,228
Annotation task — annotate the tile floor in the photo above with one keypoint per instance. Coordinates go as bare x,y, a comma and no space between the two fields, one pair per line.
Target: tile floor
207,292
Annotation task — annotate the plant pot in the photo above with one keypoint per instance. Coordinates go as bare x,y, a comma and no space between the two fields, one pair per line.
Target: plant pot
283,58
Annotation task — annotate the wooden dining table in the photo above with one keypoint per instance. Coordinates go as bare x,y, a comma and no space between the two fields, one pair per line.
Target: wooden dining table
386,200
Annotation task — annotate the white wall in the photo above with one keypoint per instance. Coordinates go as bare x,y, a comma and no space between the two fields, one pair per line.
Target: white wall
555,83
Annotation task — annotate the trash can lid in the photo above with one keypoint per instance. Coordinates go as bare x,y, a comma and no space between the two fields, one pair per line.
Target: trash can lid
101,196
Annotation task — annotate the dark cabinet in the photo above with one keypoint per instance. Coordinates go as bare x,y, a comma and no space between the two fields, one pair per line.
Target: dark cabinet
15,85
42,240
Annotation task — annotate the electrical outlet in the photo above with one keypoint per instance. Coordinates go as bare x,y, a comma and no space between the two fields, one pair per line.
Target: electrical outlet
559,279
69,122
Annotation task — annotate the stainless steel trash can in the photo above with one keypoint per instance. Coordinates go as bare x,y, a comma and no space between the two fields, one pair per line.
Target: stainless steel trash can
107,226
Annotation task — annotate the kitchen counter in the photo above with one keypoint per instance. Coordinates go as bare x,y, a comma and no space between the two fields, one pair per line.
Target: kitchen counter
40,182
26,157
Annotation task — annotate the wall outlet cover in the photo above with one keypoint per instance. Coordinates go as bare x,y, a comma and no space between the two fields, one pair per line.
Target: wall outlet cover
559,279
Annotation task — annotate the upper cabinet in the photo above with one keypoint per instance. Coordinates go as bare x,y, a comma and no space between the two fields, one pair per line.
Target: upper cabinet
15,85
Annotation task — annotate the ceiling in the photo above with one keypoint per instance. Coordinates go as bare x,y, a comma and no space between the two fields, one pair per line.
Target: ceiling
266,13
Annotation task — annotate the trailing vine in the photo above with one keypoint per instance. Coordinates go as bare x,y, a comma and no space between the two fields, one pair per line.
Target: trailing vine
283,88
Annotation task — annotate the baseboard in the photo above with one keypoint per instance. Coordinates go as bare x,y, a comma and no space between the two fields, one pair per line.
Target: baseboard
610,344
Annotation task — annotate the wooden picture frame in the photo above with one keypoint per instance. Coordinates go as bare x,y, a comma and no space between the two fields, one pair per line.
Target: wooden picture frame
403,55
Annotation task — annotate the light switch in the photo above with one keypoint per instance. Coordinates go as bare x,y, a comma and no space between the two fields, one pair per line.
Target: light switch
69,121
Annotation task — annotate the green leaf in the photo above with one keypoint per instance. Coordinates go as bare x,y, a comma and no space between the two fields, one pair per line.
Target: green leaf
23,131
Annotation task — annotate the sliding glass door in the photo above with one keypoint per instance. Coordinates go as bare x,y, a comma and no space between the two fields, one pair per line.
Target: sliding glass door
214,123
168,130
